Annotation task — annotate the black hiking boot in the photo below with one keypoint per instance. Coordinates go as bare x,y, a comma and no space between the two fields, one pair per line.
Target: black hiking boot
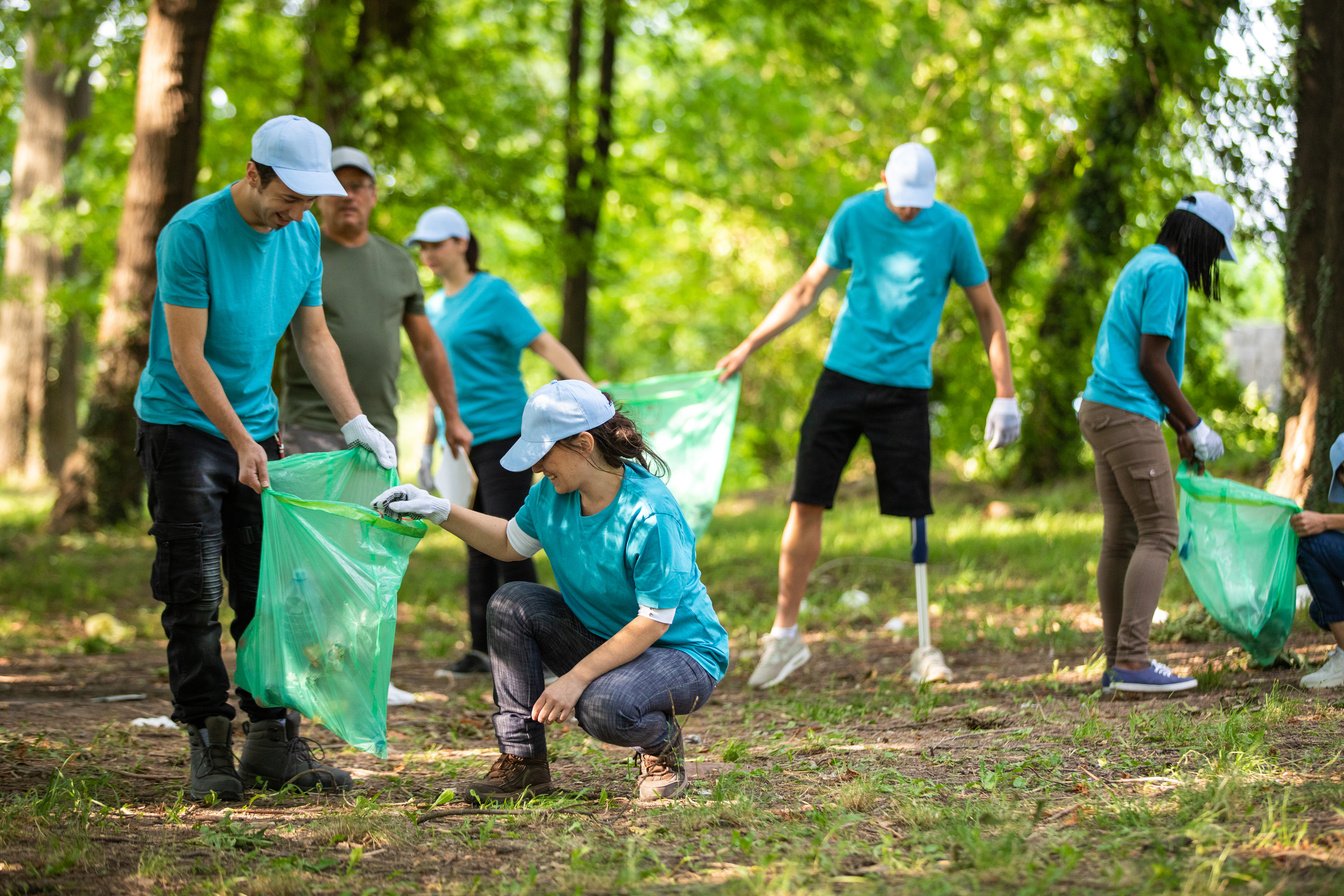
212,768
274,757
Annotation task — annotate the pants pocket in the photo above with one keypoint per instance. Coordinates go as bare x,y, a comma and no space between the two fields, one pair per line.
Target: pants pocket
1146,481
178,562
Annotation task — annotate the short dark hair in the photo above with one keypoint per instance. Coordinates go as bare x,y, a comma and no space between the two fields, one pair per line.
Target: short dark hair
1198,245
265,172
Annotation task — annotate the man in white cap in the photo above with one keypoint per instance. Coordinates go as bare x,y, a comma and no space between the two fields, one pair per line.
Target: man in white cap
905,249
370,292
236,269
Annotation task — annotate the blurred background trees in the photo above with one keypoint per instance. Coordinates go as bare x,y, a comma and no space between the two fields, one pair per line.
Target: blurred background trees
652,175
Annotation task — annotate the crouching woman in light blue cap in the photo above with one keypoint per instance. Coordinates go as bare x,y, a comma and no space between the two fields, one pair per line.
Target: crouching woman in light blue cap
631,632
1320,558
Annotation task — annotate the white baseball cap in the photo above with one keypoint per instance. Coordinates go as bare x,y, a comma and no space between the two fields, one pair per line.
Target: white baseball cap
300,153
349,157
1214,210
438,224
910,176
556,411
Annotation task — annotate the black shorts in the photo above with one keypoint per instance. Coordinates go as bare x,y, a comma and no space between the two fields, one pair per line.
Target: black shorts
896,423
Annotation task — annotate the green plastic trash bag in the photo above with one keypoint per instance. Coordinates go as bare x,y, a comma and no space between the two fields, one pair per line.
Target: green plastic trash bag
321,640
688,420
1240,554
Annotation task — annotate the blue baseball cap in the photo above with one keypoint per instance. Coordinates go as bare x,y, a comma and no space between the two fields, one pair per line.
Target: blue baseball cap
300,153
556,411
911,176
1336,458
1215,212
438,224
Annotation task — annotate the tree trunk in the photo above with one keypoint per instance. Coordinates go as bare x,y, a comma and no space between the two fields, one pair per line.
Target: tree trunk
32,261
333,78
101,482
1038,205
587,172
1314,375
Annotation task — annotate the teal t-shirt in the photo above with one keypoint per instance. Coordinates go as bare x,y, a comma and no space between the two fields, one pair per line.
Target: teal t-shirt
636,552
485,328
901,274
253,284
1150,297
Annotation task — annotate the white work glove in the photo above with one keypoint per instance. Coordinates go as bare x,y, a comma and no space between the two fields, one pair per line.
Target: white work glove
1208,444
1003,424
406,500
359,431
426,477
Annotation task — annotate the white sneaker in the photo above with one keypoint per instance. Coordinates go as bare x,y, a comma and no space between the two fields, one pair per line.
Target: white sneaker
1303,596
927,664
779,659
397,697
1331,673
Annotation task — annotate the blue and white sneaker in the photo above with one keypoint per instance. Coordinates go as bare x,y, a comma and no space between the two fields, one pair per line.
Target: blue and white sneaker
1156,679
1108,681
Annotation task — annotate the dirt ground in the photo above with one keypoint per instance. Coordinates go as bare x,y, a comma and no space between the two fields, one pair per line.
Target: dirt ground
47,699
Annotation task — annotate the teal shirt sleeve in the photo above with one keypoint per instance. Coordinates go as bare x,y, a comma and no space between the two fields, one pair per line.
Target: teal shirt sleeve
313,294
526,517
833,249
514,321
183,273
1163,301
660,559
968,268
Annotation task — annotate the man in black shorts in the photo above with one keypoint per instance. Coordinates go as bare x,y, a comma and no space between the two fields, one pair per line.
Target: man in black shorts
904,249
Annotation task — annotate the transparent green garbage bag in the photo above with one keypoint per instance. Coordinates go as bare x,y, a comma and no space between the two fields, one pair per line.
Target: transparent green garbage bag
1240,554
688,419
321,640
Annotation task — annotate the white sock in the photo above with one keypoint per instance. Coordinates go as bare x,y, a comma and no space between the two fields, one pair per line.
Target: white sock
784,633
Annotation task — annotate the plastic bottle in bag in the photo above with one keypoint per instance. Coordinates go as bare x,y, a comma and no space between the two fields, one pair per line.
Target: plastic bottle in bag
304,620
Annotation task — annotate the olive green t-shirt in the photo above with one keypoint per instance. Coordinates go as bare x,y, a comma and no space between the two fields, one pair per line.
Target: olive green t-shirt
365,293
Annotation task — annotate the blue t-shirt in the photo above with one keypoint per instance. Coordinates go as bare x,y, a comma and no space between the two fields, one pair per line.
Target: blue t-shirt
485,328
253,284
1149,297
901,275
636,552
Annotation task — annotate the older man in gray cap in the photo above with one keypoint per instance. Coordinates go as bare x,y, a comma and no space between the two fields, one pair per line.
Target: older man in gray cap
236,269
370,291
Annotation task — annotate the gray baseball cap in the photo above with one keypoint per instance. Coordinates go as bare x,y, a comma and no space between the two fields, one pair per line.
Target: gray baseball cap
349,157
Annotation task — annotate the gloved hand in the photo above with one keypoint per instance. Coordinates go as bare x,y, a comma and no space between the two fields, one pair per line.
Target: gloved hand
408,501
359,431
1208,444
1003,424
426,477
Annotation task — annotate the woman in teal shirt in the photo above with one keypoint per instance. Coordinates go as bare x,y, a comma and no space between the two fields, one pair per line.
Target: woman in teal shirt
1135,385
631,632
484,327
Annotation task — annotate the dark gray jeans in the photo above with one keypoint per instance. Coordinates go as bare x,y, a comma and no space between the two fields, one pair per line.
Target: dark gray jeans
630,706
1138,535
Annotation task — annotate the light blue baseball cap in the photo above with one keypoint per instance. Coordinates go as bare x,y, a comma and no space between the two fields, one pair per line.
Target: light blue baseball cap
438,224
556,411
911,176
1336,458
1214,211
300,153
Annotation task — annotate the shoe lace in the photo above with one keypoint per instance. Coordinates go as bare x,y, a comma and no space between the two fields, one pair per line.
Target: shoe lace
658,764
1162,669
505,766
307,752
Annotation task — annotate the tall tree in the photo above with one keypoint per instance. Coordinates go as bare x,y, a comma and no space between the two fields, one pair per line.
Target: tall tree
587,170
55,85
1314,249
101,482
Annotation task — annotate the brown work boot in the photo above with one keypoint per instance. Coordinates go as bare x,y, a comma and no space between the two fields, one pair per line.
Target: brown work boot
662,775
274,756
512,776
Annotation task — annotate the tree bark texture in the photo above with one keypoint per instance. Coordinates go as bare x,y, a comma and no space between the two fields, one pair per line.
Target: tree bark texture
101,483
1314,370
32,261
587,171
